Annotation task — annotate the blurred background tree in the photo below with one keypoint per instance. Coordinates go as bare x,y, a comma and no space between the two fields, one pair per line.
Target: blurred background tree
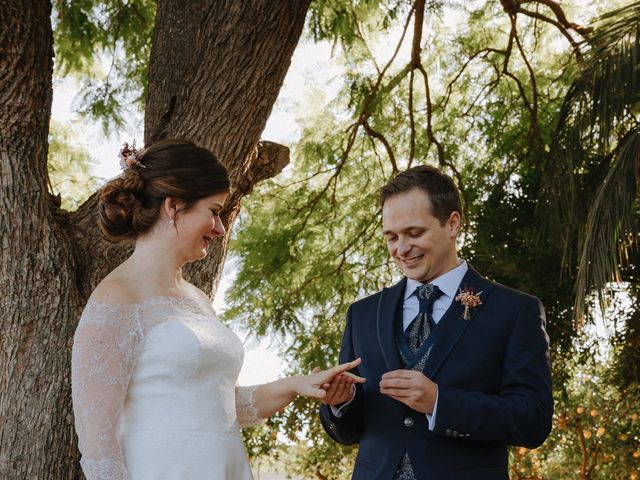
69,168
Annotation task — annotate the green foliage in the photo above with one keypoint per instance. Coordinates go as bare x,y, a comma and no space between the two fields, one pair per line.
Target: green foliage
107,45
598,153
345,21
69,174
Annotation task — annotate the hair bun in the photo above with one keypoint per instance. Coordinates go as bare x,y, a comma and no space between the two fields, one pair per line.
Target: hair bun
132,181
119,206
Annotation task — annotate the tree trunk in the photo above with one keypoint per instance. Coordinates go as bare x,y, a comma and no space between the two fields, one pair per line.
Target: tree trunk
219,99
38,300
215,71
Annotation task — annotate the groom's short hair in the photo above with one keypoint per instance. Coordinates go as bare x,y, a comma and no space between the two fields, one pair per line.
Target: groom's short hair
442,192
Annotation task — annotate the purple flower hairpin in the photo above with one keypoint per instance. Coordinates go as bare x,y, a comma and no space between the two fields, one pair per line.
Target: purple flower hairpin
130,156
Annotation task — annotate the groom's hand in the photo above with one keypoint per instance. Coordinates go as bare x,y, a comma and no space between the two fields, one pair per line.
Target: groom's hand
340,390
410,387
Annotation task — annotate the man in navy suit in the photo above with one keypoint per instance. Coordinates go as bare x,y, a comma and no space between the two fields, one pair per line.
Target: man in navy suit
457,366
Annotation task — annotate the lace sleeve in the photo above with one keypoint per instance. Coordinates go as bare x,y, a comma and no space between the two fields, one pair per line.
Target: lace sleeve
104,351
246,411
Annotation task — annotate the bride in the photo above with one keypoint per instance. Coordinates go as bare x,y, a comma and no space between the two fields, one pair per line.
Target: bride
153,370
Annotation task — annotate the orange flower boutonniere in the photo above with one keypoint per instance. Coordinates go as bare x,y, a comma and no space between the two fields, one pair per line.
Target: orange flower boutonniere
469,299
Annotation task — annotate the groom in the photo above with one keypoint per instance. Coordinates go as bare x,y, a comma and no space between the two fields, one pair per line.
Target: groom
457,366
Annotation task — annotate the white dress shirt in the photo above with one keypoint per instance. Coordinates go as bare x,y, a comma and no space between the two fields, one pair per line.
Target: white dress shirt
448,284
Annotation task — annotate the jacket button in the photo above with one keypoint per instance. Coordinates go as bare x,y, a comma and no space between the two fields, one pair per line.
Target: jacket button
408,422
454,434
448,432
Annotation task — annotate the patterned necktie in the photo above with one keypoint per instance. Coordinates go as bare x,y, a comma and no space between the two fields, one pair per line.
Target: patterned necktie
420,328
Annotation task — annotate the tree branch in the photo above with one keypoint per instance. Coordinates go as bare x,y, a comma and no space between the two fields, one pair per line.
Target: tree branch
535,128
562,18
375,134
417,33
484,53
265,161
559,26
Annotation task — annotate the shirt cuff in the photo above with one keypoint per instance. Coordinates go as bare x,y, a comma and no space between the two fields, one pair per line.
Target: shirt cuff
431,417
338,411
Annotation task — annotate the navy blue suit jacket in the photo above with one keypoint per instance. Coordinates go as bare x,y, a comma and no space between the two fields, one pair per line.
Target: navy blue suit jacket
494,387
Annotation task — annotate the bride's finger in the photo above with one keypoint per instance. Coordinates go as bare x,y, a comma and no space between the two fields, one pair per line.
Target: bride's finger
330,374
354,377
316,393
345,366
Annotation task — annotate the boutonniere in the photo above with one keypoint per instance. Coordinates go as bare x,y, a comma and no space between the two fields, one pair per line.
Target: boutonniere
469,299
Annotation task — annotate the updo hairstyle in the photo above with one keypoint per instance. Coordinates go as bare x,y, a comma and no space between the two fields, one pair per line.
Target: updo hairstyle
129,205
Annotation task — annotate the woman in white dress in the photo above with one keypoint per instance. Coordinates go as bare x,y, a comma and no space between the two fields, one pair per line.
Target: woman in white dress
153,370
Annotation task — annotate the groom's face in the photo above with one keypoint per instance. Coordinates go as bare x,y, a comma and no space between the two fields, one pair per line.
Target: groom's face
419,244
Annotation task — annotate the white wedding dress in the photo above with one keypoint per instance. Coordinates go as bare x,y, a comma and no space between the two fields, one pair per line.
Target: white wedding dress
155,395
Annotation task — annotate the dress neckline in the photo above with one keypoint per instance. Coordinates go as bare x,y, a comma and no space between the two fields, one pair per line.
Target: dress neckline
157,299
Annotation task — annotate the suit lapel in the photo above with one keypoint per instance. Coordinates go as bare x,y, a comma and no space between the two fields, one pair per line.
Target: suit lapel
453,323
389,303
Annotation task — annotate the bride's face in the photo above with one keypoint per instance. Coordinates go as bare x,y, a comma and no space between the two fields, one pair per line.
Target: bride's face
199,225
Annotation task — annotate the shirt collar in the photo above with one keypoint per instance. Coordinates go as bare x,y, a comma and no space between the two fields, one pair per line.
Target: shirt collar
448,282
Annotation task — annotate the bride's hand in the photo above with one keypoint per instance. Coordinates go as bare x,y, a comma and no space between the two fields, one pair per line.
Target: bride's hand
315,385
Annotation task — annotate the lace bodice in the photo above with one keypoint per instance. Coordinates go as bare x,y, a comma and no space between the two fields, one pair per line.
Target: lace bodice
165,363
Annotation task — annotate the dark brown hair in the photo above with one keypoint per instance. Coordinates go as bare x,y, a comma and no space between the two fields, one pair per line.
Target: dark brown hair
442,192
129,205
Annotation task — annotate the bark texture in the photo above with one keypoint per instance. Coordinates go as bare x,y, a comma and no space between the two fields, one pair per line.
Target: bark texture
217,98
215,71
38,299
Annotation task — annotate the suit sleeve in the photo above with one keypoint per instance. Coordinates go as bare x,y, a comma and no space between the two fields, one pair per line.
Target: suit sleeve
521,413
347,428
